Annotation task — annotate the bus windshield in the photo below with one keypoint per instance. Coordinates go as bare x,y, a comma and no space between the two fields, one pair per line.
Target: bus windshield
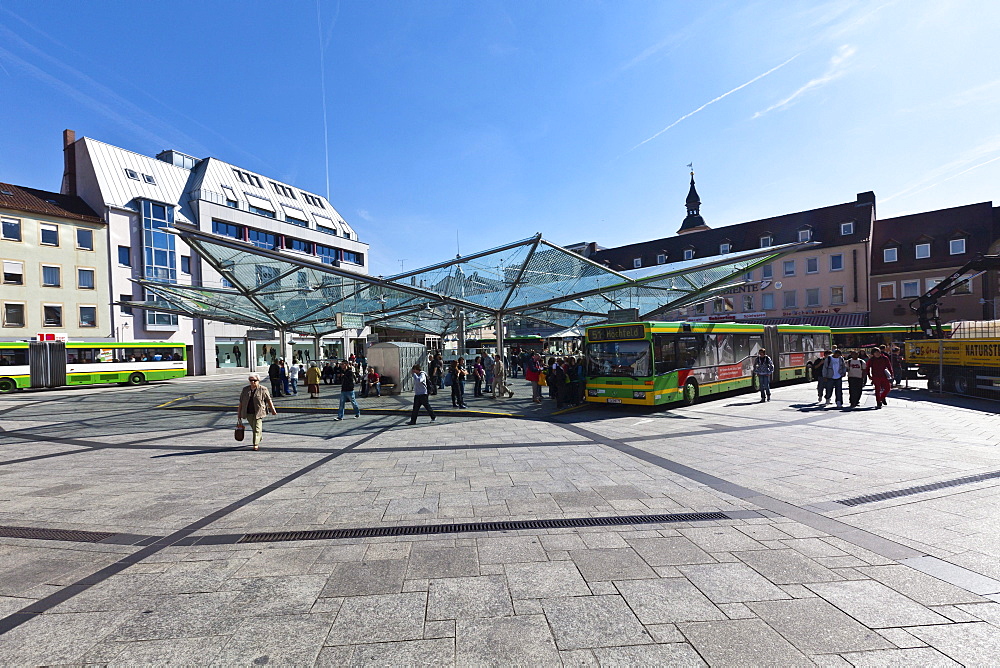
619,358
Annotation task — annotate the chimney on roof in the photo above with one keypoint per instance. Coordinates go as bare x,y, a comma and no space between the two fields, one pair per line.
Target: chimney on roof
69,163
866,199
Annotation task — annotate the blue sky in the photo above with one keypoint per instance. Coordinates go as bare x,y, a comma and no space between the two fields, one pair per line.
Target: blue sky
491,121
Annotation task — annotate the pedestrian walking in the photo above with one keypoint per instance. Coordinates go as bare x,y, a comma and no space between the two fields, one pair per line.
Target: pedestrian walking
896,357
833,375
347,391
293,377
880,371
458,374
816,369
420,398
532,371
763,368
857,371
488,368
436,372
312,380
478,376
283,376
274,375
255,403
500,386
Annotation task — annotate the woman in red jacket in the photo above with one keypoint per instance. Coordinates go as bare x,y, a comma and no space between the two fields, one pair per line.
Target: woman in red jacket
880,371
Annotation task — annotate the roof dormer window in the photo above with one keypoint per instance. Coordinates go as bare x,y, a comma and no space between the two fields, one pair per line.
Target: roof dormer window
805,234
766,240
688,253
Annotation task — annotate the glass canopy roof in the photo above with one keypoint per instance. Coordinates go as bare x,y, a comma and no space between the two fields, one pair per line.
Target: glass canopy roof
531,279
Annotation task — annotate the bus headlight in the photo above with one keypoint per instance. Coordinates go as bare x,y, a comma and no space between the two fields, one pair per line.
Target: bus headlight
638,395
591,393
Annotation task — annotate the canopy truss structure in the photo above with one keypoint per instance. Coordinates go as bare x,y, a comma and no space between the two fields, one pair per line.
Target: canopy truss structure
529,279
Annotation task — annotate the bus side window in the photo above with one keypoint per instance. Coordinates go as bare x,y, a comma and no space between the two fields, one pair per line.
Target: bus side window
665,353
709,354
726,353
687,351
741,346
756,343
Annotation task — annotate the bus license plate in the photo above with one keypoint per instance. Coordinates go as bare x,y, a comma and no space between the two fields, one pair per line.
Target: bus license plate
614,401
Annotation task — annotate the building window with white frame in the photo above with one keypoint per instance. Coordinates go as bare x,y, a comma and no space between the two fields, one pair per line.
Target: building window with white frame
49,234
956,247
748,276
10,229
88,316
837,295
887,292
688,253
637,263
805,234
837,262
788,268
922,251
661,259
846,229
812,297
84,239
51,276
767,301
766,240
909,288
52,315
766,272
747,303
13,314
13,272
85,279
789,298
699,309
963,288
812,265
931,282
890,254
724,248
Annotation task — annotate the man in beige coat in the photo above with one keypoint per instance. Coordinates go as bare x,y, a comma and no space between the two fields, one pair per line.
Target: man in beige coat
255,403
500,379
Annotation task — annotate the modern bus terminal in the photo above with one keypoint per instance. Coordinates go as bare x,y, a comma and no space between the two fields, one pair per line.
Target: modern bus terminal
728,532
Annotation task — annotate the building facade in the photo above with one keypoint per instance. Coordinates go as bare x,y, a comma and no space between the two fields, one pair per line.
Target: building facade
53,250
138,196
911,254
825,284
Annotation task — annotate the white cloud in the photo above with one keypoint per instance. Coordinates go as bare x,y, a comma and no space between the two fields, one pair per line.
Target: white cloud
836,69
364,215
724,95
970,160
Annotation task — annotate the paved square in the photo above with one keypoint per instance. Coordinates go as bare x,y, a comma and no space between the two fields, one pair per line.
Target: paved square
371,542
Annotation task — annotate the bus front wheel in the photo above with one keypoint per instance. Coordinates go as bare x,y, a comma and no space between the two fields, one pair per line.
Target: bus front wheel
690,394
136,379
961,385
7,385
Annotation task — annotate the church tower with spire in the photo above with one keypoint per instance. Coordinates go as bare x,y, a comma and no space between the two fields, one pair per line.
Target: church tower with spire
693,222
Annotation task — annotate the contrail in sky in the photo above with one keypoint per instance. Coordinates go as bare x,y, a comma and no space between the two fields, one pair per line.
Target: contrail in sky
689,115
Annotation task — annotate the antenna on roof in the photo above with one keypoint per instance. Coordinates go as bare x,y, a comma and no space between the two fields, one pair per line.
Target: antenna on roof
322,88
458,246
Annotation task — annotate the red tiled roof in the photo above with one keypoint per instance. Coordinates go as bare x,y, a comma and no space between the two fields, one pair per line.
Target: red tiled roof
30,200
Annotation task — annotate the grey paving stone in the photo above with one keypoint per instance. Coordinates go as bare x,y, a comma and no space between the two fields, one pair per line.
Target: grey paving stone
742,642
175,651
379,618
182,616
593,621
282,595
786,567
664,633
281,561
720,539
366,577
441,629
737,611
545,580
53,639
988,612
900,658
578,658
919,586
817,627
510,549
277,639
732,583
455,598
674,654
611,564
505,641
667,600
449,562
901,638
669,551
434,652
975,644
875,605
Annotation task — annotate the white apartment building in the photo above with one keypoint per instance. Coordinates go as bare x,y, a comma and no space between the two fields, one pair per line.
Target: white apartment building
137,196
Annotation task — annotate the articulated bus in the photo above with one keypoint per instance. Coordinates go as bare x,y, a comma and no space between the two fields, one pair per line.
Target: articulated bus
33,364
653,363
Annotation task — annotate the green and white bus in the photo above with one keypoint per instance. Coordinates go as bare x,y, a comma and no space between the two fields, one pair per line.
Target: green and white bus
36,364
653,363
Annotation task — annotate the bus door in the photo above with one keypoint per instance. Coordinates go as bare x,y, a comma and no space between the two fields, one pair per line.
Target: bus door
47,363
772,343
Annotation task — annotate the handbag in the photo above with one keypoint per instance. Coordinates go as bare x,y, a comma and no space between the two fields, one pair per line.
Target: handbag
541,379
447,379
240,431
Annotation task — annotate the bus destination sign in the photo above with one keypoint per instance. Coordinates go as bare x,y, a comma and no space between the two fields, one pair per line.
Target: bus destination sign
620,333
